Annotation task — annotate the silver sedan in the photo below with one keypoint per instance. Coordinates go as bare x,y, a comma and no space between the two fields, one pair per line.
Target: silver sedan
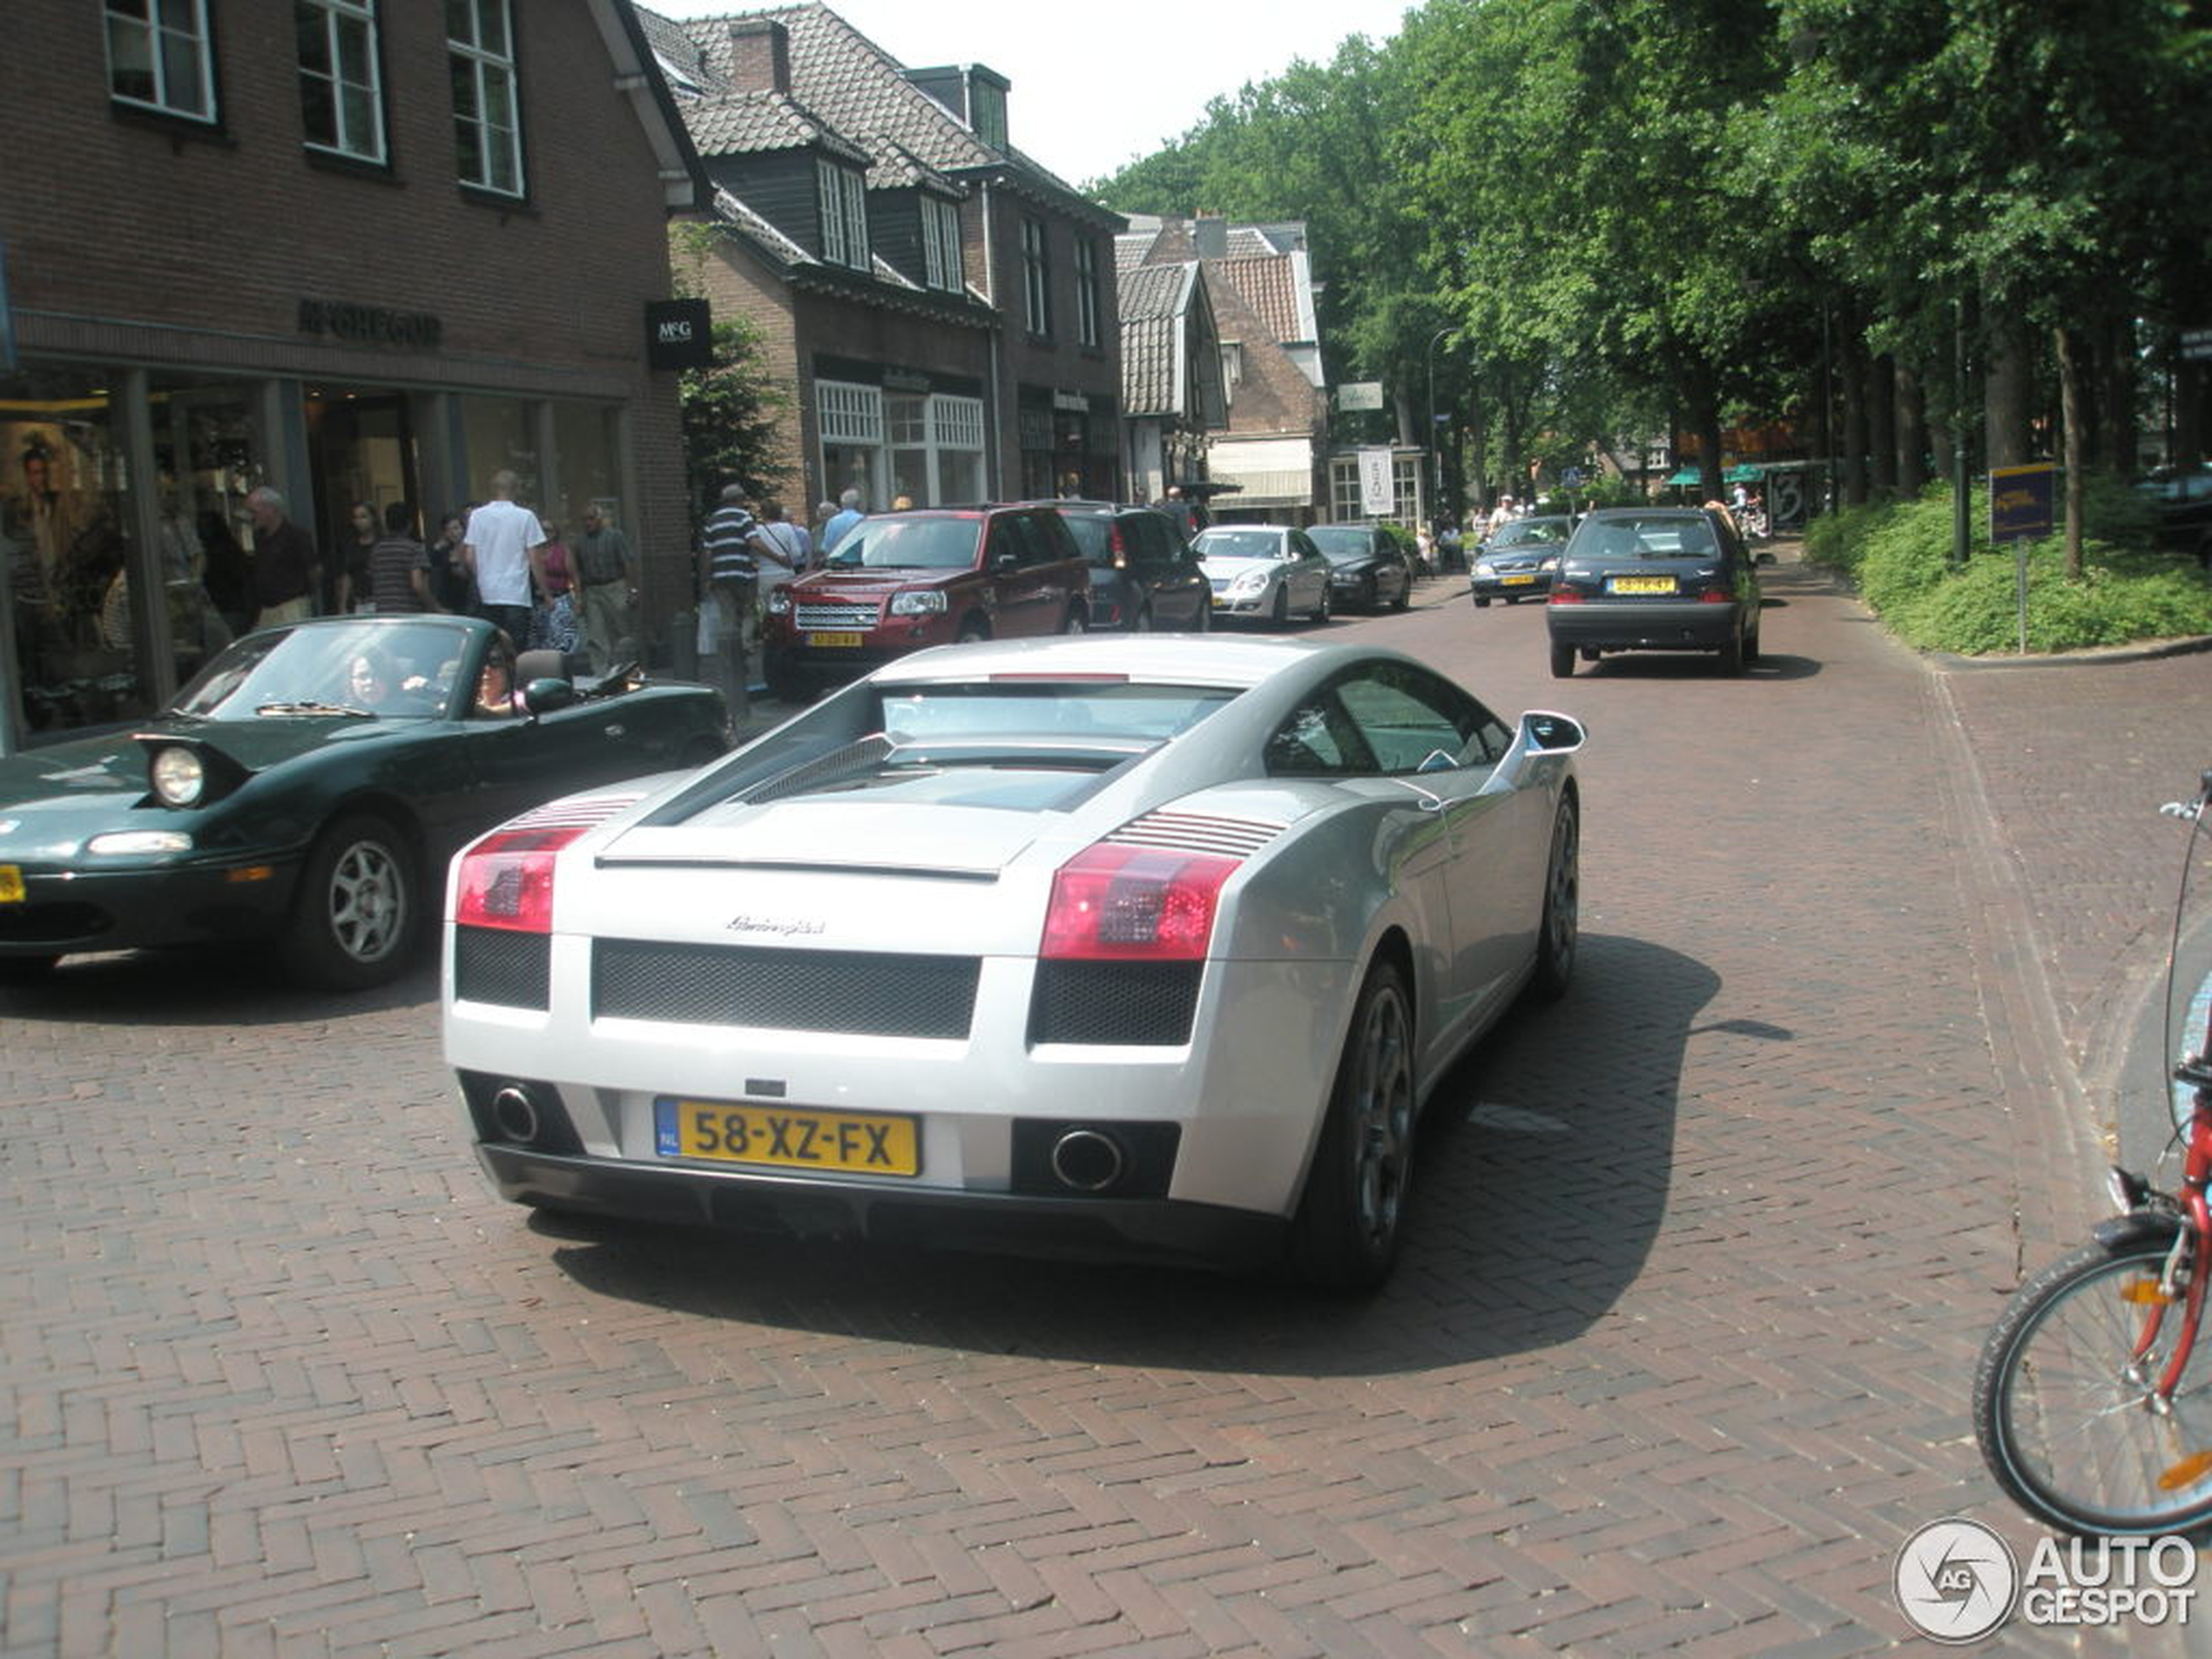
1265,572
1144,946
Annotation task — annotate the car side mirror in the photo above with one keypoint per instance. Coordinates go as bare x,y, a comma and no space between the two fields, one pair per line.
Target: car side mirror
1006,561
1552,734
543,697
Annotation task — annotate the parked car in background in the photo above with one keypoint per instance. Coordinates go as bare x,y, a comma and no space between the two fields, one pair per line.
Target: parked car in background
1645,578
1515,561
1094,947
1143,574
934,576
1367,569
306,788
2181,505
1266,572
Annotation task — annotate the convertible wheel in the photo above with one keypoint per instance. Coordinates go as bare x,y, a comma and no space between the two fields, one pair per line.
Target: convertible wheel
355,915
1346,1233
1562,661
1560,927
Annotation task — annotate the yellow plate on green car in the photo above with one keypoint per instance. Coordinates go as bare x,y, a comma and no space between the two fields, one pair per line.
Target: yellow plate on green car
10,884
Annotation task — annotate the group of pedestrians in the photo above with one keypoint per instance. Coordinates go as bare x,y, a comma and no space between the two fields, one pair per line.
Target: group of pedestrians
747,550
497,559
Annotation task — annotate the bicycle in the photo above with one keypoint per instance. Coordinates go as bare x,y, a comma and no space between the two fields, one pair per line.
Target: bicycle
2093,1401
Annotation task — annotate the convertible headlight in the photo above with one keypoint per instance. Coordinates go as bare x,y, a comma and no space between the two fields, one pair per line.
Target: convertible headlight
780,603
918,602
1483,566
141,841
1250,582
178,775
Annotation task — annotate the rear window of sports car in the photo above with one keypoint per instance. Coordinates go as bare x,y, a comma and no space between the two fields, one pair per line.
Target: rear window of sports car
1049,709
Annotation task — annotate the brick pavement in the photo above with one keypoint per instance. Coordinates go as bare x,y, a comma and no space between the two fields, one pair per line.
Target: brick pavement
1678,1355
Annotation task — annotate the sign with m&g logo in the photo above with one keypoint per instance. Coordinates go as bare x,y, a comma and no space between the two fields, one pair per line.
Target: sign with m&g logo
679,333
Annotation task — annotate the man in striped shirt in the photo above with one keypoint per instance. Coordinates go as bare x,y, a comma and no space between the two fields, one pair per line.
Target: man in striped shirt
731,544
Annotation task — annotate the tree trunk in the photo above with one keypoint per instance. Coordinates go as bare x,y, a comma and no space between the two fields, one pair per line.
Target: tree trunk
1912,432
2007,390
1881,424
1853,364
2070,414
2123,441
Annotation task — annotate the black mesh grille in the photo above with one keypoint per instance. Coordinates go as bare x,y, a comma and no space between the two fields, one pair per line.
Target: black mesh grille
861,992
496,965
1135,1002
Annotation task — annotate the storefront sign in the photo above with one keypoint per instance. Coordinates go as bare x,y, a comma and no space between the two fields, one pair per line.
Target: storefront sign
1378,497
371,325
1073,402
905,379
679,333
1361,394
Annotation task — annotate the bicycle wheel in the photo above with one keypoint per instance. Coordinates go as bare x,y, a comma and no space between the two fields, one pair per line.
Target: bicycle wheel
2062,1404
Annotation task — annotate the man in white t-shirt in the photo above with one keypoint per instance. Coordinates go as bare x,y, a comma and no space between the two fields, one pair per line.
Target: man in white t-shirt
504,544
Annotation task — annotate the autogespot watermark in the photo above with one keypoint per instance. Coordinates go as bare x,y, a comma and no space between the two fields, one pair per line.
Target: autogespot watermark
1958,1582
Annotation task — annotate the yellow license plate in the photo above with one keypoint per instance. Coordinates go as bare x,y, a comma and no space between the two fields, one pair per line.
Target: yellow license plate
10,884
788,1137
1641,584
851,642
1515,581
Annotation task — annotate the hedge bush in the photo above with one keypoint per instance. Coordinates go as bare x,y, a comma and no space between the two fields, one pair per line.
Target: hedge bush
1899,558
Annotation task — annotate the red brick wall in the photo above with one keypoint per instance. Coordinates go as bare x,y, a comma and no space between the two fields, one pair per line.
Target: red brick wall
121,231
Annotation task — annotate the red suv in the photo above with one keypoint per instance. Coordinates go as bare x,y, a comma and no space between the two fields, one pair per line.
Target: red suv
900,581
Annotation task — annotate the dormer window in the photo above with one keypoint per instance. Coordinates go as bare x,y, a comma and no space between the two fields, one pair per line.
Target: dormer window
844,215
940,245
987,111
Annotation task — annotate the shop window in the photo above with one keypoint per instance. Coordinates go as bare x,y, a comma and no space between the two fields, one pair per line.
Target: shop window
158,57
500,433
341,103
487,122
588,459
64,523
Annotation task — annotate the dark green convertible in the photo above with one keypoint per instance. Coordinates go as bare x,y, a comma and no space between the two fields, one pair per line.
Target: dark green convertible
309,786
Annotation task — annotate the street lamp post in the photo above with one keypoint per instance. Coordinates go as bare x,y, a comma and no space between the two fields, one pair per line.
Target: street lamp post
1436,448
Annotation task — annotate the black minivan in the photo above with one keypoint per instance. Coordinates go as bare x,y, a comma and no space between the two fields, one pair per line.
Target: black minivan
1143,574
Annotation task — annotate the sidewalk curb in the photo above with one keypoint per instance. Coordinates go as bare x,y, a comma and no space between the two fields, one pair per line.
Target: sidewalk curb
2149,651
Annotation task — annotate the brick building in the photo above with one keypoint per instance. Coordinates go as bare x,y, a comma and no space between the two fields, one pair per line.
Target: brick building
1273,455
943,304
361,253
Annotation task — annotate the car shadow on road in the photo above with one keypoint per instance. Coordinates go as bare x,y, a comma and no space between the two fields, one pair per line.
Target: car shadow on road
1694,665
1543,1177
205,988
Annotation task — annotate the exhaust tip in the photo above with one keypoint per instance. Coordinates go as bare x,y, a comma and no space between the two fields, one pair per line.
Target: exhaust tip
1088,1160
512,1109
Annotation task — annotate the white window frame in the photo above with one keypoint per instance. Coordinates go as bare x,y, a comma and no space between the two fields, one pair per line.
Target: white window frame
940,248
487,66
1037,278
843,196
956,422
368,146
1086,292
155,28
1347,499
850,413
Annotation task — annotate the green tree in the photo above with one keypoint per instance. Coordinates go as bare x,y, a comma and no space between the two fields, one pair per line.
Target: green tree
734,411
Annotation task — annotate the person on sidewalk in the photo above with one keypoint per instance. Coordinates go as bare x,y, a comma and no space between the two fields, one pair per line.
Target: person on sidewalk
502,546
732,546
850,512
287,566
610,587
